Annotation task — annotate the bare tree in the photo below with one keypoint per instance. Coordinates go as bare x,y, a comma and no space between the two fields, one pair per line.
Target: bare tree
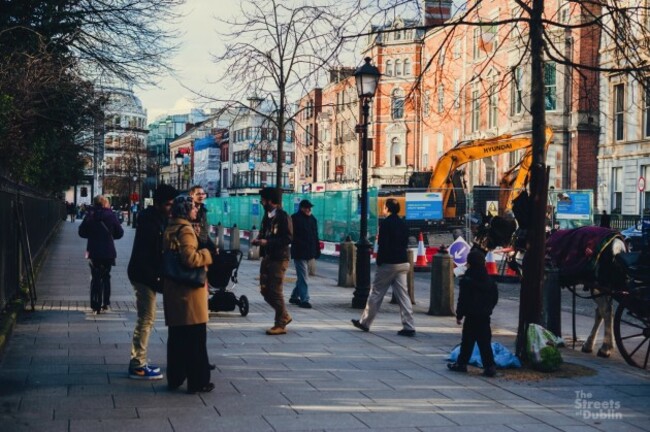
51,54
278,52
618,32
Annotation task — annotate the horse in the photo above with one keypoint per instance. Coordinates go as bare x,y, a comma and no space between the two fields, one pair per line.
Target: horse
584,256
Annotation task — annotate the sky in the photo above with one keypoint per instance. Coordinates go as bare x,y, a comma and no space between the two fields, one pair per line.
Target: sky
192,62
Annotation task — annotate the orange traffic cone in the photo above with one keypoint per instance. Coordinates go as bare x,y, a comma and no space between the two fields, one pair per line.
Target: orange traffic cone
490,264
422,256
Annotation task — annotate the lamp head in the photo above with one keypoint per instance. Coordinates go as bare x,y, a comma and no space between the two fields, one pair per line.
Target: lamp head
179,158
367,77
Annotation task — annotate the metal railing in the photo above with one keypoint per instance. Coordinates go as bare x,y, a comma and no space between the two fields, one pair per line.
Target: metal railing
43,214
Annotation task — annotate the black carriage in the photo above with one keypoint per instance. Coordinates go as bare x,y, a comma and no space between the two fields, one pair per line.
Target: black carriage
632,317
221,273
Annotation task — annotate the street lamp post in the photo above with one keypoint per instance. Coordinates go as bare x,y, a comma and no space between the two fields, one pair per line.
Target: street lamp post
179,162
367,78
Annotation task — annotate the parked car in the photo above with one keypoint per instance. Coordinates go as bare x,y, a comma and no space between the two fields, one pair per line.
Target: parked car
633,239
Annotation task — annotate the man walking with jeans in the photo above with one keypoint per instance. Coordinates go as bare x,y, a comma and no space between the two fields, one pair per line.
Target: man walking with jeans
144,275
304,248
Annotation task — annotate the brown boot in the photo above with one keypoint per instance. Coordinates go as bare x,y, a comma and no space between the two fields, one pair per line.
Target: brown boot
276,330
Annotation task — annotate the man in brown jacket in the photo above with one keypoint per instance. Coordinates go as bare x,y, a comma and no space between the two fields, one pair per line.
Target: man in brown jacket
274,239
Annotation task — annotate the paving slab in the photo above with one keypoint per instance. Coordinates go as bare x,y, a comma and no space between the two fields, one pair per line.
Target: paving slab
66,369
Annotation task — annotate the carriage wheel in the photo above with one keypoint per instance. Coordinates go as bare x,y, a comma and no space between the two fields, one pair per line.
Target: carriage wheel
243,305
632,333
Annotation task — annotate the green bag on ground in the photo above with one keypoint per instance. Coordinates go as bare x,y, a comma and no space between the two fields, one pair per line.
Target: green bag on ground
542,348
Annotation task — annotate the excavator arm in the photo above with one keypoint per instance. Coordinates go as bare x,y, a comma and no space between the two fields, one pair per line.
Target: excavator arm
516,178
468,151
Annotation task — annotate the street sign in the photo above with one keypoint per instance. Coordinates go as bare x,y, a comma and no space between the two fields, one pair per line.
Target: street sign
459,250
641,184
423,205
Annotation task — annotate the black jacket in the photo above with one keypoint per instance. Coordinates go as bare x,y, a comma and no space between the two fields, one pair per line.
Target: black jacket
305,244
478,296
100,226
393,241
144,265
278,232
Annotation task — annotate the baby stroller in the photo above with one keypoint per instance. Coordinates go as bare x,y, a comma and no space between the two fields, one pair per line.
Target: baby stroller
224,269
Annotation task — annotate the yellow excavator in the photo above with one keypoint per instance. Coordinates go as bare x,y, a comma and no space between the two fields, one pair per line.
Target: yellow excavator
447,179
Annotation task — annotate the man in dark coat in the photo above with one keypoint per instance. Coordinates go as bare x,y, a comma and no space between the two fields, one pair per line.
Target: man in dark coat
100,226
144,275
605,220
305,247
392,268
274,239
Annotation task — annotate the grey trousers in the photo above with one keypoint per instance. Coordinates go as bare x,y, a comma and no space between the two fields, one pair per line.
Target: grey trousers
389,275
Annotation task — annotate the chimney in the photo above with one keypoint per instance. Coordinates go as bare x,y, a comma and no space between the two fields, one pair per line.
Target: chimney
254,102
436,12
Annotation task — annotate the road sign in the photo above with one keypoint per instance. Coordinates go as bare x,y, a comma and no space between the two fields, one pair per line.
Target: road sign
459,250
641,184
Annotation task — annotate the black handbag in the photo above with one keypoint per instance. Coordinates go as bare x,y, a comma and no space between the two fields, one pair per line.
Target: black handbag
174,270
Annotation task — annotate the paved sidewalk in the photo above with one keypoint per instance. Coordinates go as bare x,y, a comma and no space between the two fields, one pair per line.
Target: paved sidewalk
65,369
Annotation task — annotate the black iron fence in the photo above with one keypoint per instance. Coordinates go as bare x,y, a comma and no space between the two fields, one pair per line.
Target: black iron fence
619,222
42,215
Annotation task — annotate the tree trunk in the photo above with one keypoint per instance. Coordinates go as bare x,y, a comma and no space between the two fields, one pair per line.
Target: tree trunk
530,307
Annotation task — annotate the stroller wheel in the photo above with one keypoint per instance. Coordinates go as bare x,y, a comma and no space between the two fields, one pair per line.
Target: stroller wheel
243,305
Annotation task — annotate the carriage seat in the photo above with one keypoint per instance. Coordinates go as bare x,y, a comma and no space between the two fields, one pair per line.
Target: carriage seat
636,265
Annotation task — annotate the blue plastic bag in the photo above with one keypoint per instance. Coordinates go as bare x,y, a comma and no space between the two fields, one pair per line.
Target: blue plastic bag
502,356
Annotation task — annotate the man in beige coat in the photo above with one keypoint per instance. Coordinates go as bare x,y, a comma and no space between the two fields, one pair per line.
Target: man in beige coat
186,308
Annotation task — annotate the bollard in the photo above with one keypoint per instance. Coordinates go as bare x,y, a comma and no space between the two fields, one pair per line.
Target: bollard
551,301
410,277
221,244
253,250
347,263
441,300
311,266
234,237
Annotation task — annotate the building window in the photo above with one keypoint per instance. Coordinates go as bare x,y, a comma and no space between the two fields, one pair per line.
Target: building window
397,103
457,94
395,152
476,41
441,98
476,107
456,51
426,103
619,112
550,83
397,35
646,110
515,91
493,101
617,190
407,67
389,68
398,67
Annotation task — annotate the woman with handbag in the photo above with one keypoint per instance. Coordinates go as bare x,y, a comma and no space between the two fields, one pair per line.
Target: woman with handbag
185,304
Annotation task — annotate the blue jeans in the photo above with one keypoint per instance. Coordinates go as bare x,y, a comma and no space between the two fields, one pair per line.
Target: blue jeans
301,291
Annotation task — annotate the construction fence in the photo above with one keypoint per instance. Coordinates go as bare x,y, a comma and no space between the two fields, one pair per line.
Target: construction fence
338,212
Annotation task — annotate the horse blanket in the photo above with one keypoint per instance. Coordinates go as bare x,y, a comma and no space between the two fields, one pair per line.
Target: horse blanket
576,252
